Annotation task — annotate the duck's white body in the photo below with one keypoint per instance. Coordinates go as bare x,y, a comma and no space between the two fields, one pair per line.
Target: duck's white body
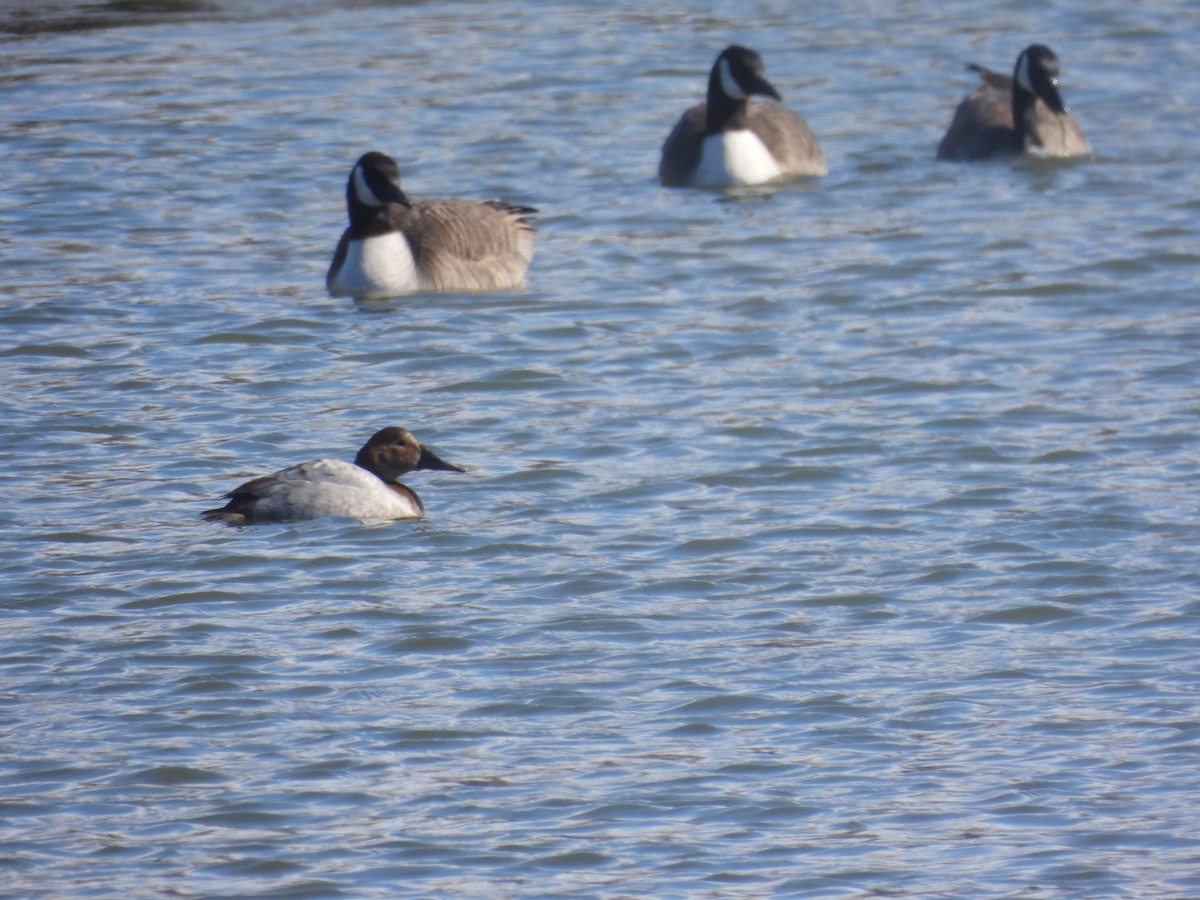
365,489
330,487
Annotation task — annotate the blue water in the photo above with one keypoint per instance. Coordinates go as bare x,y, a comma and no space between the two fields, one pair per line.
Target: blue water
836,540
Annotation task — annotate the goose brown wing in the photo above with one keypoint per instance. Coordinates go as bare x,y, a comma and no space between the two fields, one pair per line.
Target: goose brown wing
681,150
994,80
982,126
1059,135
788,137
470,245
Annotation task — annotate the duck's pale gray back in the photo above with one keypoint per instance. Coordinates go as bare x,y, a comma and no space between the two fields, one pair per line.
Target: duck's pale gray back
323,487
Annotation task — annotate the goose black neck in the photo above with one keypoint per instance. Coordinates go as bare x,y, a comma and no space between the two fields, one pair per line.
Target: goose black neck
1024,113
724,113
363,214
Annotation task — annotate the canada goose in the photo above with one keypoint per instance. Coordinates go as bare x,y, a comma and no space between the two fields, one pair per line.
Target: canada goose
730,140
395,245
365,489
1022,114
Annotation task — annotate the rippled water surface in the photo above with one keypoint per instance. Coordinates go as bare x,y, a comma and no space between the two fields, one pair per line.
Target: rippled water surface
837,540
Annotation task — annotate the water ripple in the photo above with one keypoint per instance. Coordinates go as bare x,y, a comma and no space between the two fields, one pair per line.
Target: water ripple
827,540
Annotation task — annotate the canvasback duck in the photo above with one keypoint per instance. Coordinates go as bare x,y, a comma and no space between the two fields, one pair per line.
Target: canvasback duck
365,489
1022,114
729,140
395,245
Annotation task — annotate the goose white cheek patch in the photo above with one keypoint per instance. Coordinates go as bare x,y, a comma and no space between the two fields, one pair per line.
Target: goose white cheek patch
1023,73
362,190
729,84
